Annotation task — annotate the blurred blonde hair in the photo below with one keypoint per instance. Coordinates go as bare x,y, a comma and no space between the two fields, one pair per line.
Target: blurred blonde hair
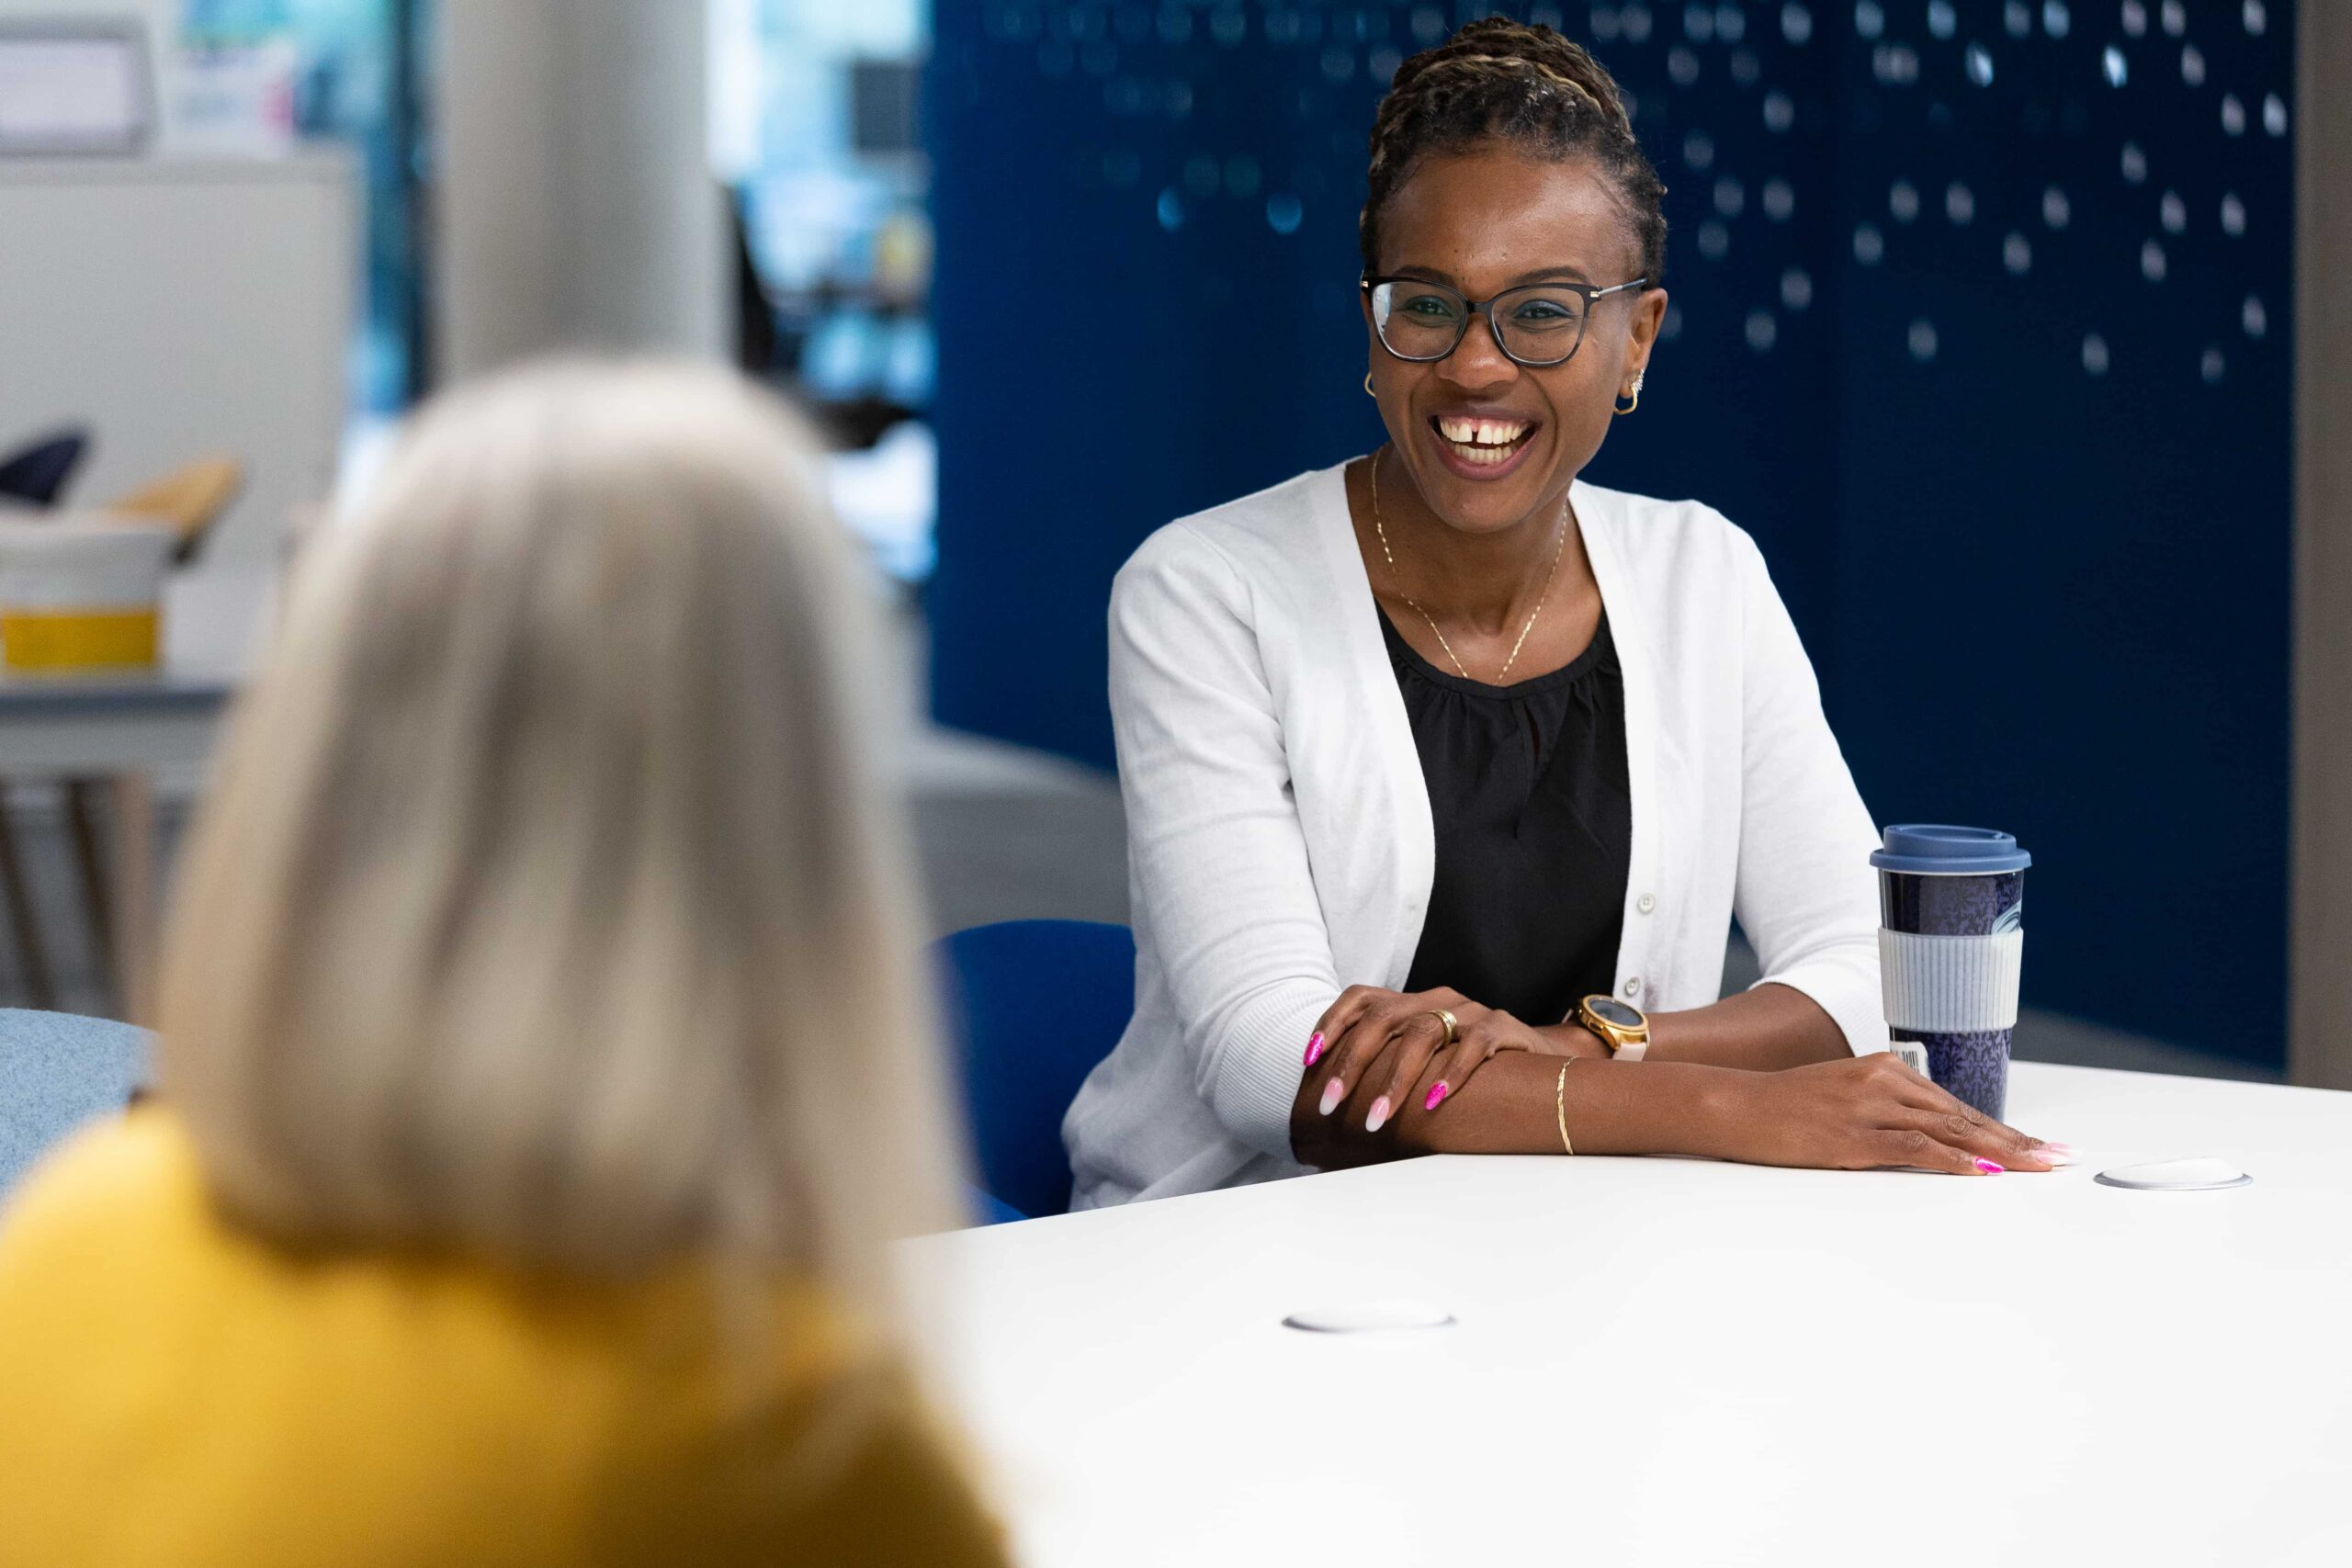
547,900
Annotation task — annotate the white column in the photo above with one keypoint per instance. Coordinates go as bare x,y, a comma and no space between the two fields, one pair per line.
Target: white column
2320,1026
575,205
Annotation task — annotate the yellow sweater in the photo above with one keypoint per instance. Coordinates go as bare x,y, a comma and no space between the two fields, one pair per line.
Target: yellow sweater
173,1391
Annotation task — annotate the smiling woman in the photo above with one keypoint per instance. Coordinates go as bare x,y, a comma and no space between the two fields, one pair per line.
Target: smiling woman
1447,771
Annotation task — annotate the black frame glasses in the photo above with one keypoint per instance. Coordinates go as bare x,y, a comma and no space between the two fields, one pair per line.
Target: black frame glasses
1593,294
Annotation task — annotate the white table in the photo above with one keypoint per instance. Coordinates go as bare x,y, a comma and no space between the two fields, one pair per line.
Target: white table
1681,1362
122,728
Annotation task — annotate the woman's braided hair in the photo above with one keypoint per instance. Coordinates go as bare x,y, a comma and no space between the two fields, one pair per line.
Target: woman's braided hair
1505,81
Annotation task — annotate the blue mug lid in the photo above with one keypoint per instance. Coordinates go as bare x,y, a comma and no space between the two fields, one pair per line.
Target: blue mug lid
1932,849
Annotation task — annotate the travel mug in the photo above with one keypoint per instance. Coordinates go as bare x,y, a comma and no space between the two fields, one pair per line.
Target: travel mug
1950,942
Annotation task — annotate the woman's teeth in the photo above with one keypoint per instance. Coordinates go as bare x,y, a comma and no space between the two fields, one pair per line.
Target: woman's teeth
1484,441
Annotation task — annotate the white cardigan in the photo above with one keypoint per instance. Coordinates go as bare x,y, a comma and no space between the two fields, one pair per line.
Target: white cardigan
1279,839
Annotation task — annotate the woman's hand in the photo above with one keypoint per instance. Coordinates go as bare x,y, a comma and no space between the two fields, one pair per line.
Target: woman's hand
1864,1112
1386,1040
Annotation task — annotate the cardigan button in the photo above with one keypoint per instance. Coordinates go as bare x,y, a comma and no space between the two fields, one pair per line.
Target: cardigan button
1632,985
1646,903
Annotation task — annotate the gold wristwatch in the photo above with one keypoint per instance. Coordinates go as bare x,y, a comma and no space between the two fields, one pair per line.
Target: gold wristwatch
1622,1027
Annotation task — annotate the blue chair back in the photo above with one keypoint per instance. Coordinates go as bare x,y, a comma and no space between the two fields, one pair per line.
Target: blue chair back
37,474
1034,1004
57,1071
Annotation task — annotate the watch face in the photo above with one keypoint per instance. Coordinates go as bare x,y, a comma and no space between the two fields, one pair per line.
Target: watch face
1608,1010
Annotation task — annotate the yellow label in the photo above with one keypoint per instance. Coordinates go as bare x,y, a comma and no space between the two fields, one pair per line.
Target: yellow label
78,640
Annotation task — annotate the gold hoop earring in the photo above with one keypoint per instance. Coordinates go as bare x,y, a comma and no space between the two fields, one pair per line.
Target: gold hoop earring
1367,385
1635,395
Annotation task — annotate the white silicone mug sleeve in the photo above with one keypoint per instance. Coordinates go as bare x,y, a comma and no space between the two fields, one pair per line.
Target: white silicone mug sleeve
1950,984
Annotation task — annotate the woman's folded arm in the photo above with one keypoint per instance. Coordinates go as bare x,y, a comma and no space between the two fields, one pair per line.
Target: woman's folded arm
1850,1113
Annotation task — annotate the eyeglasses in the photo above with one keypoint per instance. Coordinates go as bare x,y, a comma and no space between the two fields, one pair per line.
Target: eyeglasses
1537,326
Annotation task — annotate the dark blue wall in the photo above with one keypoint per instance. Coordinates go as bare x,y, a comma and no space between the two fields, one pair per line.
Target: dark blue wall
2023,479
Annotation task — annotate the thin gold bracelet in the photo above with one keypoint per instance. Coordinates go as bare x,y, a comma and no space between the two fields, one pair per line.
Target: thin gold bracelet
1560,1107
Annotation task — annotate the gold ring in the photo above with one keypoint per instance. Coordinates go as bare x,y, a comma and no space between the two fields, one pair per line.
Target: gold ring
1453,1028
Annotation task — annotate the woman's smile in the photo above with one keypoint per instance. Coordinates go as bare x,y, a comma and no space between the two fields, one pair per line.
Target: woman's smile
1481,445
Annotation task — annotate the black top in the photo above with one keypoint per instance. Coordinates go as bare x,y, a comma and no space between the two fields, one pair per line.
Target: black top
1535,828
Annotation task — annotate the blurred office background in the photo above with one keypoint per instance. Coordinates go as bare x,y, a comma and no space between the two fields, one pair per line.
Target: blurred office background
1985,321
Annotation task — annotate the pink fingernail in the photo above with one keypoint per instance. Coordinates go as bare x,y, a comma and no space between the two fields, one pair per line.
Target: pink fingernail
2055,1149
1379,1114
1313,1047
1437,1091
1333,1092
1989,1169
2055,1154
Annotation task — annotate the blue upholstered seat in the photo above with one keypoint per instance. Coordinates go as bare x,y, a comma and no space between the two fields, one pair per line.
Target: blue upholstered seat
57,1071
1034,1005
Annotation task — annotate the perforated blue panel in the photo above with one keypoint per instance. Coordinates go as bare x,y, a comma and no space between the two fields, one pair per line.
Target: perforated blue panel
1980,316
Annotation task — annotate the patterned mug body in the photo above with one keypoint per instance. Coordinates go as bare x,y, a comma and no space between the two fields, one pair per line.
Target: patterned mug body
1973,1066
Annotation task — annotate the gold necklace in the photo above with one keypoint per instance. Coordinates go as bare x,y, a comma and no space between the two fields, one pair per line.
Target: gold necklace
1560,544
